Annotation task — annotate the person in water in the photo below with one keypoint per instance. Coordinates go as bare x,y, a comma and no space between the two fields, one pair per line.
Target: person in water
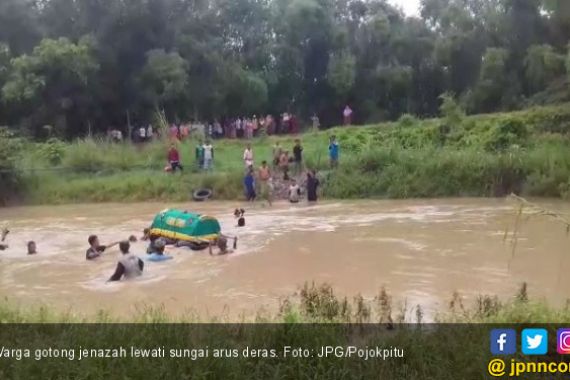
238,213
5,233
129,265
95,249
222,244
158,247
294,192
312,186
32,248
146,234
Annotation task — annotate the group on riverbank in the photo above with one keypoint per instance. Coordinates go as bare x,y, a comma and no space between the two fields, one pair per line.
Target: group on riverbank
287,178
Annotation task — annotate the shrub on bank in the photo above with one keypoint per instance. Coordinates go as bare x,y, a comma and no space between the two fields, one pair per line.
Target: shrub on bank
10,179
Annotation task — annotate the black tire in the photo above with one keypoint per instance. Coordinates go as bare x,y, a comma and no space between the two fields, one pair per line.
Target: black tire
201,195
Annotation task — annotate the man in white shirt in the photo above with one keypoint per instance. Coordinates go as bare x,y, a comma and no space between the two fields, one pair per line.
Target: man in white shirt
208,150
248,156
294,192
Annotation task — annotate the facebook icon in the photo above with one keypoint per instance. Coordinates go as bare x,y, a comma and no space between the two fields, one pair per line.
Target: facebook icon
503,341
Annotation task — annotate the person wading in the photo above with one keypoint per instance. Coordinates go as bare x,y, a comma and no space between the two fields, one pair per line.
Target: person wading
129,265
95,249
312,186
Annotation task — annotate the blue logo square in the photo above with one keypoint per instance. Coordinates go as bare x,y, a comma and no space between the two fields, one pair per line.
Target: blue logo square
503,341
534,341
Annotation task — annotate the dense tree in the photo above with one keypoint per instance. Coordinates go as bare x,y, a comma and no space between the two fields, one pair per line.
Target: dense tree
86,64
52,82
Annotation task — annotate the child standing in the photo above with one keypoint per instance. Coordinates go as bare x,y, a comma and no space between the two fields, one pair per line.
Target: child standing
333,152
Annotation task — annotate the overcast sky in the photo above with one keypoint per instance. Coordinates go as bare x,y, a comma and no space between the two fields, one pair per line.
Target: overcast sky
411,7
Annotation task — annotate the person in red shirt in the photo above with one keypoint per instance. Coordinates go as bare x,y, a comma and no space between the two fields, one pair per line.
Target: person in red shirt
174,158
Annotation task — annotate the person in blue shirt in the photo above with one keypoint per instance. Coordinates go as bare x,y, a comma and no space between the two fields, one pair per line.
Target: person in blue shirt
333,152
249,183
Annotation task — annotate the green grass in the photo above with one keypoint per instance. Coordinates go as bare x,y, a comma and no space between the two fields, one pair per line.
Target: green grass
311,320
483,155
318,303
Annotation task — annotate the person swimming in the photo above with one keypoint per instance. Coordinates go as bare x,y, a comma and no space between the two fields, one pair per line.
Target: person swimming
146,234
5,233
129,265
157,247
222,244
238,213
95,249
32,248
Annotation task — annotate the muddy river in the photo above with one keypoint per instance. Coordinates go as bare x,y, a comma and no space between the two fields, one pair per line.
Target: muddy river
421,251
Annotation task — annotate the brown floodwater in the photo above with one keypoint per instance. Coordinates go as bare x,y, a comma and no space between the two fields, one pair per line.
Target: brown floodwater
420,250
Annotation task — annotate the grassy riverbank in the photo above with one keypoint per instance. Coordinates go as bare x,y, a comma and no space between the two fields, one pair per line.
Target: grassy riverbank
318,303
484,155
313,320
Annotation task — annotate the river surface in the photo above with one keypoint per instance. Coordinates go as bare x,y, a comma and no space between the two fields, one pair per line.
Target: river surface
420,250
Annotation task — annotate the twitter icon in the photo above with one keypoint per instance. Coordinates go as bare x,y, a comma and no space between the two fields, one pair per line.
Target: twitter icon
534,341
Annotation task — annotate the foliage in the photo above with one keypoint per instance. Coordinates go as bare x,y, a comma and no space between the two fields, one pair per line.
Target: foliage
341,73
542,65
164,77
451,110
80,65
52,81
53,151
9,152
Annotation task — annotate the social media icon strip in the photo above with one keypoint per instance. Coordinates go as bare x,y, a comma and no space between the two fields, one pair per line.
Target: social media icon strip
534,341
563,341
504,341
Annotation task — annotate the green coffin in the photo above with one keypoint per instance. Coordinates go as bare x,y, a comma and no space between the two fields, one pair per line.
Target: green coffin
186,226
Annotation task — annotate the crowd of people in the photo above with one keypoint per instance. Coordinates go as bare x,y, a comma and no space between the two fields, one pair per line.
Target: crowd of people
263,178
129,265
284,167
230,128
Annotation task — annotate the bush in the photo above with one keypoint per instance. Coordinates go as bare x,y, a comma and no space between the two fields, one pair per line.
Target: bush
53,151
506,134
407,120
10,149
84,156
